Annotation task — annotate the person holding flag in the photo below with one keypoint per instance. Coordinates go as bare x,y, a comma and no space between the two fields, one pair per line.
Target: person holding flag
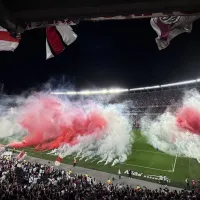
21,156
58,160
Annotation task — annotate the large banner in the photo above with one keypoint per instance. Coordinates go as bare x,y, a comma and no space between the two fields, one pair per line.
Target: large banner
152,177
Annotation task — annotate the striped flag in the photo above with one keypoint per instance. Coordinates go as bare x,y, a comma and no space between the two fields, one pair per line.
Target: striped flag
21,155
7,41
167,28
58,160
57,37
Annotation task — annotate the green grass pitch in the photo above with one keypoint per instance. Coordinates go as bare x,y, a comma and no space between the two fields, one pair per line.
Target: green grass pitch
144,160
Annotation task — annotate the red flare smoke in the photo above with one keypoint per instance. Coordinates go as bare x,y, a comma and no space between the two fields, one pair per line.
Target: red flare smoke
50,123
188,119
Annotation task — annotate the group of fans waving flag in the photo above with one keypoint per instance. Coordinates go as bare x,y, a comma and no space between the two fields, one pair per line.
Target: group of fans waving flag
4,152
22,154
59,34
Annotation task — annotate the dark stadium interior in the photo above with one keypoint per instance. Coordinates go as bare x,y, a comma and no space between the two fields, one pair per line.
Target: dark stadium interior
42,10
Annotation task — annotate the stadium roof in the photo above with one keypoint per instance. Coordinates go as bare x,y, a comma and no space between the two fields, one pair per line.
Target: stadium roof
37,10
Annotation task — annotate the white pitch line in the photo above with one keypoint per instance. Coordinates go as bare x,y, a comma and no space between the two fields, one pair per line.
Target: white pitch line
147,167
173,169
139,139
147,151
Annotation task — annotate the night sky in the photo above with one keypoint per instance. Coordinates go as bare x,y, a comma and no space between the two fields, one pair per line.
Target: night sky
105,54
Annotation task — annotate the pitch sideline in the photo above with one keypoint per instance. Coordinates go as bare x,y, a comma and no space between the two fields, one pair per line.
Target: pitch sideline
171,170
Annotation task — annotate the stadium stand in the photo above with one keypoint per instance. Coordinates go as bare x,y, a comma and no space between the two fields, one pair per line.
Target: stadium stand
154,102
151,100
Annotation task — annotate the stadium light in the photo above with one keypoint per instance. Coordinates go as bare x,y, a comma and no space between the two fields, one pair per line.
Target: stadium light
84,92
179,83
136,89
61,93
117,90
72,93
90,92
152,87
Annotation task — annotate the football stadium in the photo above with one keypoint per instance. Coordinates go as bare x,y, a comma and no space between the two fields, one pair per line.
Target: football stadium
62,141
147,158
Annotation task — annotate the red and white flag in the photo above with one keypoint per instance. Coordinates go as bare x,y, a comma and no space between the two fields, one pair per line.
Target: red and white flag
57,37
7,41
21,156
58,160
169,27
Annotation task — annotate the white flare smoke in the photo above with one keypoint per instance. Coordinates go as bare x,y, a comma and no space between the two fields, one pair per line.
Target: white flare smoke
114,141
164,134
114,145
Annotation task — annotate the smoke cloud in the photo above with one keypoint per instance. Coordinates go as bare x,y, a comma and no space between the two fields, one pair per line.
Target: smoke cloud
178,132
83,128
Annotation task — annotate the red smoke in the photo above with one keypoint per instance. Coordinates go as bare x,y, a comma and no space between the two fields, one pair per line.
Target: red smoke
50,123
189,119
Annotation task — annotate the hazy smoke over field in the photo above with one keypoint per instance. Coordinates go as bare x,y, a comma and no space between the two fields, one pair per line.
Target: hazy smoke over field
85,128
177,133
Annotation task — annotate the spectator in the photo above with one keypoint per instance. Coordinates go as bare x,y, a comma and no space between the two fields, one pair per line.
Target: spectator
187,183
129,173
193,184
35,181
74,162
119,173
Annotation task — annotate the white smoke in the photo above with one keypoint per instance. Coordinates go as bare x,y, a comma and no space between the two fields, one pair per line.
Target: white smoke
164,134
115,142
10,129
112,144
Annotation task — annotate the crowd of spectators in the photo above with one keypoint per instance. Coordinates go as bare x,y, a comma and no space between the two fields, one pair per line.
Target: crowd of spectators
35,181
139,99
160,98
136,121
152,103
